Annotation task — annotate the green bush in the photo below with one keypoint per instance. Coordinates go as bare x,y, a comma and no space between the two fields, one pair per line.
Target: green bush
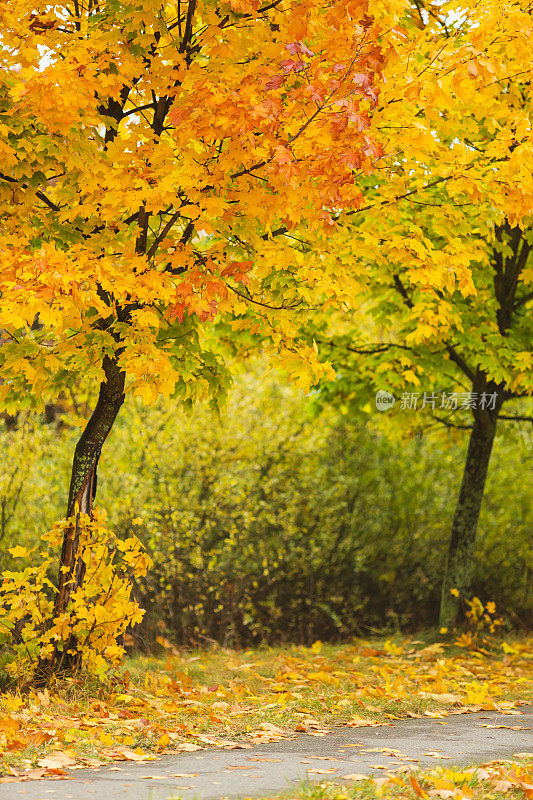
269,524
272,524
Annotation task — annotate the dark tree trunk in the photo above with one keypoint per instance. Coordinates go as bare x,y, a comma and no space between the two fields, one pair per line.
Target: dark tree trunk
80,501
458,574
459,565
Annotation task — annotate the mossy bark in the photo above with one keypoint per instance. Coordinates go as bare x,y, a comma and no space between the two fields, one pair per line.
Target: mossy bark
460,562
81,494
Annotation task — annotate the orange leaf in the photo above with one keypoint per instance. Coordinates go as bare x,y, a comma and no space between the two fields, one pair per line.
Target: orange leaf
416,786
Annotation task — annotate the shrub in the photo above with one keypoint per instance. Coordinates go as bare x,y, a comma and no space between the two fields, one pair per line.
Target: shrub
269,523
98,612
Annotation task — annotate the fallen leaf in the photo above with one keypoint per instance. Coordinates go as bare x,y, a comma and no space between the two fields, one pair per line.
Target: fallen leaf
226,744
268,733
445,697
186,747
325,758
164,741
322,771
308,725
57,760
237,766
360,722
380,782
416,786
356,776
509,727
269,728
267,760
56,772
131,755
502,786
184,775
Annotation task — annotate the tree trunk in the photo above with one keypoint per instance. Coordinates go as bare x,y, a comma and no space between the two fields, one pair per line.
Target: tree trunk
459,566
81,494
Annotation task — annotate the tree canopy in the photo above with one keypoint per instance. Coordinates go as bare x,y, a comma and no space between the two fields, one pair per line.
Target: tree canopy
147,149
308,178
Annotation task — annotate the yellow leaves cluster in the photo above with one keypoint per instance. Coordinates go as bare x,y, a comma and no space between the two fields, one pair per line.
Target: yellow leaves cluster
302,364
98,613
455,79
270,125
455,119
452,784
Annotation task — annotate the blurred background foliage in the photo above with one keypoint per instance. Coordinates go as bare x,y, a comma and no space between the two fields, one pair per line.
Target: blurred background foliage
275,521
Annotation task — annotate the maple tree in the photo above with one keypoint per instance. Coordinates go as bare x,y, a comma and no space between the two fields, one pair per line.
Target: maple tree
151,153
445,240
161,162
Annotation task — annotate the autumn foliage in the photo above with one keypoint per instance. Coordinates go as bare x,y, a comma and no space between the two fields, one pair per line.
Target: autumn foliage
149,150
191,701
182,179
98,613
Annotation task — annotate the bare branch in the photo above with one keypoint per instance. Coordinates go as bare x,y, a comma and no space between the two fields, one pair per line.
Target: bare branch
523,300
461,363
187,34
367,350
171,222
259,303
136,110
449,424
38,194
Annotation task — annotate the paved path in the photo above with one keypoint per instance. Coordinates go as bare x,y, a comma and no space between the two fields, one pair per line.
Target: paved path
206,775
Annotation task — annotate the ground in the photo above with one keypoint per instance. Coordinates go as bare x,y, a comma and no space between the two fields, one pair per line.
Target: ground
405,760
188,700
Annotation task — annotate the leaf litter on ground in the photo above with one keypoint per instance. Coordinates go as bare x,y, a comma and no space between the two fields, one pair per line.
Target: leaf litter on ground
235,700
506,779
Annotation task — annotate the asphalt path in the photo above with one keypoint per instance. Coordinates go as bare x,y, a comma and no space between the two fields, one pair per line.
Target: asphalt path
272,768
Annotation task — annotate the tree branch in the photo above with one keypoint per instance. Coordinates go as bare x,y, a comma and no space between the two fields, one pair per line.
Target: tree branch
523,300
451,350
187,34
259,303
38,194
461,363
136,110
374,348
517,418
153,249
449,424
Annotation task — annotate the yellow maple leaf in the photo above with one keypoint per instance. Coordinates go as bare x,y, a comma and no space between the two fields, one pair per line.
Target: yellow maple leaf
18,551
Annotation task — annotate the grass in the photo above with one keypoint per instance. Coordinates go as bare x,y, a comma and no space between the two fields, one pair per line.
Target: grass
497,780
